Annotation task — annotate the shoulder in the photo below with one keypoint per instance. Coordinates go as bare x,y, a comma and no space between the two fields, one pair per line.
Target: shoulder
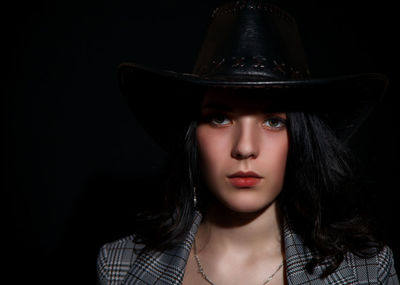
115,259
378,268
386,270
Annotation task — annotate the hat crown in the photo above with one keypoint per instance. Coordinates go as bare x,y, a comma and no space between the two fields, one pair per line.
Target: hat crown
254,40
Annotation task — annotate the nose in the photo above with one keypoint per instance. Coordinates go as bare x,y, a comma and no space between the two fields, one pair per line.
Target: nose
245,140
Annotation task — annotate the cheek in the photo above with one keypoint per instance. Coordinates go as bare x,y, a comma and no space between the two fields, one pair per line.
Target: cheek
213,148
275,157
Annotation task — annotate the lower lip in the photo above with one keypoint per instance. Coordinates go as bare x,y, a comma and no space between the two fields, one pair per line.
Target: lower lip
244,181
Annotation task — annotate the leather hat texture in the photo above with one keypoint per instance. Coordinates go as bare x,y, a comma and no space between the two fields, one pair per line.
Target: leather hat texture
253,47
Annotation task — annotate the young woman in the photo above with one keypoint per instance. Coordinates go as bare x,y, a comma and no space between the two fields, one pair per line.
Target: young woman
260,188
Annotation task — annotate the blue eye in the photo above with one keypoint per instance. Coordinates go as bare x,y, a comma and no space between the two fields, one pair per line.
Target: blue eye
275,123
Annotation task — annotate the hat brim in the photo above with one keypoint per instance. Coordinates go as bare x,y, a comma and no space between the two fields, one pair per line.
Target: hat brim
164,101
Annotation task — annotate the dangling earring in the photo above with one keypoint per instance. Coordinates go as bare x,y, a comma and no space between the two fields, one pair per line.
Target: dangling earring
194,197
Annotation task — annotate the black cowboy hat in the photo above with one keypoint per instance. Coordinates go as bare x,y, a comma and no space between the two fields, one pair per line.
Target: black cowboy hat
253,46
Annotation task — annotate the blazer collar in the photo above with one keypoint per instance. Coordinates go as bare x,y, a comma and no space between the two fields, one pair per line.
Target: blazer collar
168,267
297,257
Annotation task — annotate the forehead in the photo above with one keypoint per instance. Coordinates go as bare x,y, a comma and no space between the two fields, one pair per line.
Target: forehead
240,100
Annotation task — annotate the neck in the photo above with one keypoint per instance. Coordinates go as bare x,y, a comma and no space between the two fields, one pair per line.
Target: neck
224,229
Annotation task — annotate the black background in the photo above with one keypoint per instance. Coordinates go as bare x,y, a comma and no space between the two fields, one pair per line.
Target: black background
76,162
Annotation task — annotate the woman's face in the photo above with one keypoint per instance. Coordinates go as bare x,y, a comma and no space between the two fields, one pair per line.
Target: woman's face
237,135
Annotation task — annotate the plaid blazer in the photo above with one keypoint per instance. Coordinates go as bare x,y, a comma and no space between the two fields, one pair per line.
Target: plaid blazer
117,263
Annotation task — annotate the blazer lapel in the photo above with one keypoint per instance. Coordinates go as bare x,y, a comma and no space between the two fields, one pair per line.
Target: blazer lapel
167,267
298,255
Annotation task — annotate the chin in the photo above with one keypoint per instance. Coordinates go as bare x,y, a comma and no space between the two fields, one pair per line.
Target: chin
248,205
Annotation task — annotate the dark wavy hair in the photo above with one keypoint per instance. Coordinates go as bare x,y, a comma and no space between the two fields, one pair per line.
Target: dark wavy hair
320,196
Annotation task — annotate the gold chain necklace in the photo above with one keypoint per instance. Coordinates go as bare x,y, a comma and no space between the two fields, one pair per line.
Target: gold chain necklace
203,274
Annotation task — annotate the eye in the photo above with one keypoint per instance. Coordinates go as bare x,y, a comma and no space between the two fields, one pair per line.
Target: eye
275,123
219,120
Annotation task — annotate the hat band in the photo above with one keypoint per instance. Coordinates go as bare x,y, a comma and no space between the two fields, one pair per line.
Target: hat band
258,66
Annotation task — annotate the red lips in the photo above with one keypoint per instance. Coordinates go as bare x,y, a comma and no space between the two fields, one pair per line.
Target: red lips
244,179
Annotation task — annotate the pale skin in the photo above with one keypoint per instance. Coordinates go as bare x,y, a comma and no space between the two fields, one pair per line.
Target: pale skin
240,238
